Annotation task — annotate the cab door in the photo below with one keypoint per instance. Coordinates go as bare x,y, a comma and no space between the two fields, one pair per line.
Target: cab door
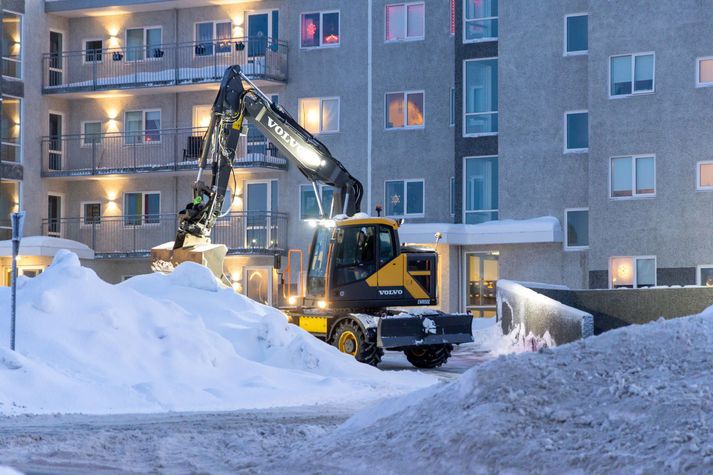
390,276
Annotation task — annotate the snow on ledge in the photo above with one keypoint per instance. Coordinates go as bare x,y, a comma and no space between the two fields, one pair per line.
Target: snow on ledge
46,246
507,231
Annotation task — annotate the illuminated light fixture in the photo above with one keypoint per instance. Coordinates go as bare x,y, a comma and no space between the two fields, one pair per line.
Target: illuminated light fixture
113,42
292,300
322,304
309,157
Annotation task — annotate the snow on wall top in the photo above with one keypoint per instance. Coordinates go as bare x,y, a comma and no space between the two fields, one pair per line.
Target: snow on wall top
46,246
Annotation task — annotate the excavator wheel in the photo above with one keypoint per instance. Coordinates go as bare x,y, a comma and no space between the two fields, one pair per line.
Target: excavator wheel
350,338
429,356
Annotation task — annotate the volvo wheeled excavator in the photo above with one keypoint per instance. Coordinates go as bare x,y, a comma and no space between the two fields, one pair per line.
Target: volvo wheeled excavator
361,284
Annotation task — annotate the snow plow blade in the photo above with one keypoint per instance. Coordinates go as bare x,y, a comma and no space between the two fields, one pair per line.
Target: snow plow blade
165,258
402,331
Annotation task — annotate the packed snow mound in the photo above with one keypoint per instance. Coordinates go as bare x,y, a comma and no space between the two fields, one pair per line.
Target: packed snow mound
634,400
158,342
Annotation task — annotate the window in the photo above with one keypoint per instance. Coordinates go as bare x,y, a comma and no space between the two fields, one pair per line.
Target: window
11,41
704,75
404,110
319,29
452,200
704,275
405,21
319,115
93,51
142,127
576,131
355,253
91,133
452,121
480,19
704,179
308,202
481,97
576,222
142,208
90,214
404,197
631,74
11,129
482,272
480,190
576,39
213,36
632,272
142,43
633,177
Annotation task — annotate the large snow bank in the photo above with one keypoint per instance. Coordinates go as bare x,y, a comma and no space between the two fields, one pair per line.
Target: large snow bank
634,400
166,342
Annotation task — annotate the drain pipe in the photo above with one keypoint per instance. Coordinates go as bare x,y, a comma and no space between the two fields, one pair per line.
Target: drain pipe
368,109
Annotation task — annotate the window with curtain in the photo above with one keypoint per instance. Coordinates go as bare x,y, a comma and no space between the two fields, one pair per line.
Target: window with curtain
404,197
481,190
12,44
632,272
319,29
142,127
319,115
631,74
705,72
633,176
481,97
480,20
405,21
141,208
11,129
404,110
705,176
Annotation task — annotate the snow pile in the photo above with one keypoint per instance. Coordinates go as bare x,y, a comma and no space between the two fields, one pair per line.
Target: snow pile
166,342
634,400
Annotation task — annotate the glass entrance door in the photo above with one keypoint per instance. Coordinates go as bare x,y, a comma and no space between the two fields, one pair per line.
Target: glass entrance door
261,202
258,33
258,284
481,274
54,215
56,66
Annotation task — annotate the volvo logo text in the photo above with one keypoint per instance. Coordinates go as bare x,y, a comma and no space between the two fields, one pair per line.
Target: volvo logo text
391,292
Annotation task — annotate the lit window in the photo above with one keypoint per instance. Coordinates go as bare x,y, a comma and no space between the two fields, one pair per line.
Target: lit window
142,43
11,129
631,74
632,272
705,72
480,20
576,131
141,208
91,213
705,176
91,133
213,36
404,197
142,126
481,97
405,21
93,51
576,34
704,276
633,177
481,190
319,29
11,43
308,202
319,115
577,226
404,110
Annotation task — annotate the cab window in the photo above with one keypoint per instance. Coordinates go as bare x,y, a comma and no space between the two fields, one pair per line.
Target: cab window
387,250
355,254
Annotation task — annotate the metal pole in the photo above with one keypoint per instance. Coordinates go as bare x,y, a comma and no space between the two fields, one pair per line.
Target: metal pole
18,221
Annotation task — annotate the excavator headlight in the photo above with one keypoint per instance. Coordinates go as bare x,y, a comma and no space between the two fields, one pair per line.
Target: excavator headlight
292,300
322,304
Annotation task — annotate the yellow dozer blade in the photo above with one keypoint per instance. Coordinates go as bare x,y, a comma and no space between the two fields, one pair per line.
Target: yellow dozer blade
164,258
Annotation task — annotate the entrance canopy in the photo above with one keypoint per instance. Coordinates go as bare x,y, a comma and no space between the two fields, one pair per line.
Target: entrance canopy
546,229
46,246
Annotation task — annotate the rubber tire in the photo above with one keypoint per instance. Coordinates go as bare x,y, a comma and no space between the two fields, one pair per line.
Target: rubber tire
367,352
429,356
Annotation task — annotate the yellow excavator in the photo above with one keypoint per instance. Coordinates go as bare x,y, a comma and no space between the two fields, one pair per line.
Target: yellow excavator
361,283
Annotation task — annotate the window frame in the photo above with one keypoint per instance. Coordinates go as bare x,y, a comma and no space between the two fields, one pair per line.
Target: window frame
635,284
699,268
575,150
698,176
320,187
83,133
464,209
575,53
214,38
321,22
143,211
84,50
20,141
143,42
82,224
698,72
633,57
452,99
452,195
406,214
464,98
143,127
20,76
321,102
634,195
405,96
466,20
406,37
567,247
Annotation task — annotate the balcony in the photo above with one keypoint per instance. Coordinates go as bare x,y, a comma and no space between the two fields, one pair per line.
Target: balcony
112,237
144,151
176,64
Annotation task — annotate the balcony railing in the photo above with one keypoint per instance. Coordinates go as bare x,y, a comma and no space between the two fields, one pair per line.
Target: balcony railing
134,236
163,65
144,151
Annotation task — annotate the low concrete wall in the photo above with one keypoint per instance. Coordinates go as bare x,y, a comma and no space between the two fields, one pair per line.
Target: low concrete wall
533,313
615,308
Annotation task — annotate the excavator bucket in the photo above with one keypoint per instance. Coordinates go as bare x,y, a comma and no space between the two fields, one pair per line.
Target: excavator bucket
164,258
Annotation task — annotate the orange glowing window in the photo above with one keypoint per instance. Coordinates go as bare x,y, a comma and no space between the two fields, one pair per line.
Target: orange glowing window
319,29
404,110
705,175
705,71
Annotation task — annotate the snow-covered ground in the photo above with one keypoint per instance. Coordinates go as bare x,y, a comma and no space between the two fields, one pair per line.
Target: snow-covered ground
178,342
